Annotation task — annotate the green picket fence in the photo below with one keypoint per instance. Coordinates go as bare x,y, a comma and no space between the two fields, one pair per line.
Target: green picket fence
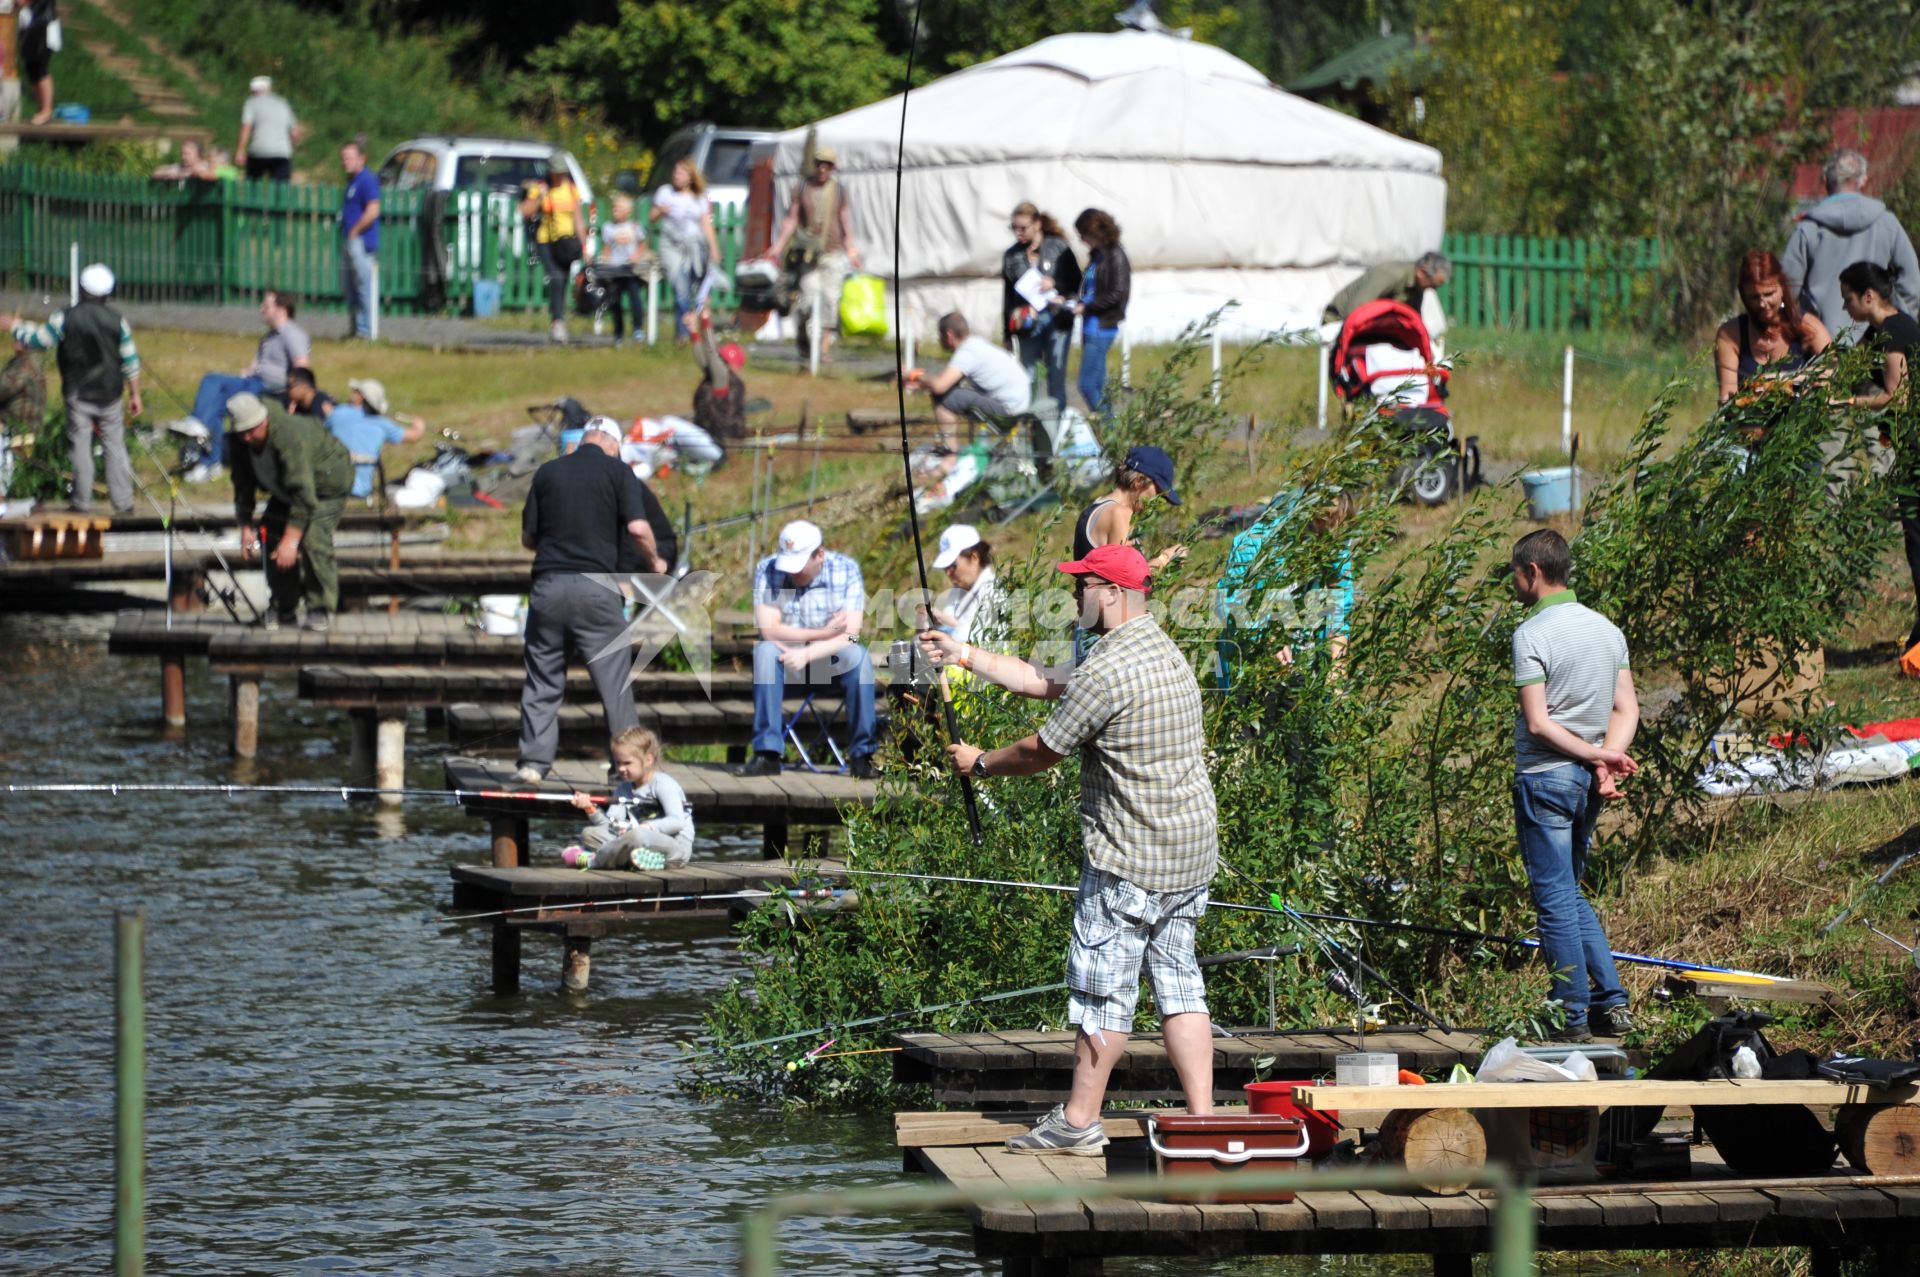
1545,285
222,243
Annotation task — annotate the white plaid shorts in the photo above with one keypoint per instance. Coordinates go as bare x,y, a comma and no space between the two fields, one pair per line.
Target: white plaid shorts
1116,926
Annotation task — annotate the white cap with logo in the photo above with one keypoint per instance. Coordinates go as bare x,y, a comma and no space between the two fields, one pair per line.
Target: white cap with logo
954,542
798,541
606,426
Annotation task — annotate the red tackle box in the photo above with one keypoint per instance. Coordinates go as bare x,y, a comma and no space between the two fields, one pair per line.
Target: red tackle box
1221,1145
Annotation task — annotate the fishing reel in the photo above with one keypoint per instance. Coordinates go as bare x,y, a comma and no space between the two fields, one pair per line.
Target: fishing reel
909,667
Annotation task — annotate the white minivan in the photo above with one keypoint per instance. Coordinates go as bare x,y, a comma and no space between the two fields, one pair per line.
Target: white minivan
475,163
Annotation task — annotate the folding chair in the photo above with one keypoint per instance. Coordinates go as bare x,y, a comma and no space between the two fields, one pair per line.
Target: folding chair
822,732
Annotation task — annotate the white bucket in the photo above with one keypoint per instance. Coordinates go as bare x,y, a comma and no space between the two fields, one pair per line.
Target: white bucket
501,614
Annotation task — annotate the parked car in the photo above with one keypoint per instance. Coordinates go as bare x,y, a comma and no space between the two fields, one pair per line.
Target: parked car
475,163
719,152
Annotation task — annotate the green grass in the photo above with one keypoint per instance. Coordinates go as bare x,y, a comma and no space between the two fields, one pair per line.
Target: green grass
341,76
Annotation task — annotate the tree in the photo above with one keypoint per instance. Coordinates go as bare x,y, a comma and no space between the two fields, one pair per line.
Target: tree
663,63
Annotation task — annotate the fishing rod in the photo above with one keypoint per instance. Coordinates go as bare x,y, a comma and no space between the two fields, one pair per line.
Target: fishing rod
751,893
906,457
343,791
1460,933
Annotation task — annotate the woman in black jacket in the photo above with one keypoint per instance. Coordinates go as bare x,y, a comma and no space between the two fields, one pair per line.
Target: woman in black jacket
1040,335
1104,292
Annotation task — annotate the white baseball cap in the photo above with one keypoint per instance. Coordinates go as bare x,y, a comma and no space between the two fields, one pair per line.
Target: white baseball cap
96,280
954,541
373,392
260,83
606,426
798,541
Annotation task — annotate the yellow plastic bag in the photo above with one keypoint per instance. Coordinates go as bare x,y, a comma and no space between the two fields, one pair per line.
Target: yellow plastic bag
863,306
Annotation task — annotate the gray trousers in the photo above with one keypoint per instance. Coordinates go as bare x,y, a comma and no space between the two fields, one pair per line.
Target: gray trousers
610,850
581,611
82,418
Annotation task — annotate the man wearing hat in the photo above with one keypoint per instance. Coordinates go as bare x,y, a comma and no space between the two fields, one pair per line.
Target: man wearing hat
362,425
581,507
96,356
1131,710
268,131
306,475
808,602
820,227
284,347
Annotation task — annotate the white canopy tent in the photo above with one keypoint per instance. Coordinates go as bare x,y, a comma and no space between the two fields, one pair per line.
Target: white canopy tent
1226,189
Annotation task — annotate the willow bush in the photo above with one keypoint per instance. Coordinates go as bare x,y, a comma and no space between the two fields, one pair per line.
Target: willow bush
1375,786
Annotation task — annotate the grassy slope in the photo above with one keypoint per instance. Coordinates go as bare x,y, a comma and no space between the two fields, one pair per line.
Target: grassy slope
341,78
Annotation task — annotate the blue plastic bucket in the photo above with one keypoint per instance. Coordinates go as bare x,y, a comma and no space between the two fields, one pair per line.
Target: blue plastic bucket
486,298
570,439
1549,492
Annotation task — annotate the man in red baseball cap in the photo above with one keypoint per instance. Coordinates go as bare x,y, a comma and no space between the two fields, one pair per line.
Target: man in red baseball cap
1131,710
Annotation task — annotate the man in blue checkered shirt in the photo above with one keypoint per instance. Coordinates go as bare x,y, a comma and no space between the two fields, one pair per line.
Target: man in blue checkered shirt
808,602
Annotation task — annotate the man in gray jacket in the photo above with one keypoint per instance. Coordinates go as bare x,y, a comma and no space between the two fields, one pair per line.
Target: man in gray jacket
1844,228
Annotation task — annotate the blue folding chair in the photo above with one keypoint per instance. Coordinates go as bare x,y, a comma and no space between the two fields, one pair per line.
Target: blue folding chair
822,732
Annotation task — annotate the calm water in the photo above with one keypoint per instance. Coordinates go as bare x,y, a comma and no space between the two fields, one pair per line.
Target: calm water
331,1085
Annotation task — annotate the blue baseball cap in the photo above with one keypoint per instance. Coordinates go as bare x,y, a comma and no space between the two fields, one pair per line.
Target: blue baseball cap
1157,466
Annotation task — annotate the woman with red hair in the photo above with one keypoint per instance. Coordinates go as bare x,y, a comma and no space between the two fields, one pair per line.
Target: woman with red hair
1771,339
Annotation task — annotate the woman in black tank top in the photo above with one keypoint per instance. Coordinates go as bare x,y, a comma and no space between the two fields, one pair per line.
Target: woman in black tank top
1109,521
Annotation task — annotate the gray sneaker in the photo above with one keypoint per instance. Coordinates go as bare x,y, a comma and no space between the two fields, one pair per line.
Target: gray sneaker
1614,1022
1053,1134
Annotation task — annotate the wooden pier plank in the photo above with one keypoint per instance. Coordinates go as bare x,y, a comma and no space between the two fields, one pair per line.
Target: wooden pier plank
1685,1208
1638,1093
716,794
967,1168
1336,1211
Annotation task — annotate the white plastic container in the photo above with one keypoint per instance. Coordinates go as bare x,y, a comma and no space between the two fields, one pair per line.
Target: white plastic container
1367,1068
501,614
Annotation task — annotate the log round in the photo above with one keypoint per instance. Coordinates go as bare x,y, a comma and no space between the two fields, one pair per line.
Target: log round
1434,1140
1880,1139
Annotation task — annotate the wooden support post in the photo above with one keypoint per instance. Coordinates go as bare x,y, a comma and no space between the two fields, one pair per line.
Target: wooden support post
243,705
736,753
360,753
1019,1266
173,689
509,841
185,594
1825,1261
773,841
390,756
1452,1265
393,566
506,958
576,964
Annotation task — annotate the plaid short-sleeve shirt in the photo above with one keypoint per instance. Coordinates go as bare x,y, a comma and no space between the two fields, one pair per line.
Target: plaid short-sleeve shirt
838,588
1132,712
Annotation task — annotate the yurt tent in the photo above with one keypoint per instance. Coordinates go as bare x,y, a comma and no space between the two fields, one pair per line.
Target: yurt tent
1225,187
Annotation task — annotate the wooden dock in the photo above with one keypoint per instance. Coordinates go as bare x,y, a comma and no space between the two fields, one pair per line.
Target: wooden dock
722,721
1022,1068
1711,1209
584,906
429,644
716,794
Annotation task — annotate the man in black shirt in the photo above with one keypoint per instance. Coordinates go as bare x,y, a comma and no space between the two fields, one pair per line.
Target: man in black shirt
581,508
304,396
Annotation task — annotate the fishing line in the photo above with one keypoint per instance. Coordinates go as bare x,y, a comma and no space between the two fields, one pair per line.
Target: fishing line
343,792
900,387
752,893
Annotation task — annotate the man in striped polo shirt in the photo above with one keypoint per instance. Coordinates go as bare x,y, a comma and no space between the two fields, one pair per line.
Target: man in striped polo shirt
1577,717
1131,711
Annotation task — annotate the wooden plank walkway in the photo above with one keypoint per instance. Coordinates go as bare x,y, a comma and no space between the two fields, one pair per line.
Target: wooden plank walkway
1712,1209
372,683
716,794
1029,1067
583,906
722,721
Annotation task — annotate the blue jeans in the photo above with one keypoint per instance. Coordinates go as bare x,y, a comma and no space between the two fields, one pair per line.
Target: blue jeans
851,668
356,283
1094,344
1554,812
210,410
1048,346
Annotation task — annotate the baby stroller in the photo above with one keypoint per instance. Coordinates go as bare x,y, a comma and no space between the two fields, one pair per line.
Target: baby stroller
1384,356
